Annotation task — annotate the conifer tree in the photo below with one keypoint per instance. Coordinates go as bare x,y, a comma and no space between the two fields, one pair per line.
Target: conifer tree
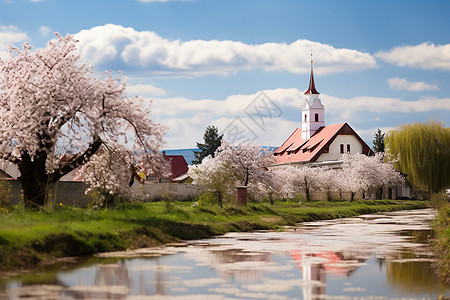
211,141
378,141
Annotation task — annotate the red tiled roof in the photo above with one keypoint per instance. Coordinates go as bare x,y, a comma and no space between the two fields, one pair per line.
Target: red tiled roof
295,137
310,150
178,165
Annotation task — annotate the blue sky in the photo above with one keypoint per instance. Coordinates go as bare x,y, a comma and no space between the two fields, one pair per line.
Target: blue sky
377,64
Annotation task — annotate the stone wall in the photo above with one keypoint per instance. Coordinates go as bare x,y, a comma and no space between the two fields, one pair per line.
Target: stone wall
73,192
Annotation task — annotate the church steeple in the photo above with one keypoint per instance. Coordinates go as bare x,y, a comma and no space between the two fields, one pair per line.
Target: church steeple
313,112
312,86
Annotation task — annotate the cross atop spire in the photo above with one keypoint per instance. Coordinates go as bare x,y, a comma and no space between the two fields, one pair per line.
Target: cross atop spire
312,87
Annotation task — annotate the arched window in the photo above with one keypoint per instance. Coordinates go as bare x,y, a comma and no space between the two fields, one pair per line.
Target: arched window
305,118
316,117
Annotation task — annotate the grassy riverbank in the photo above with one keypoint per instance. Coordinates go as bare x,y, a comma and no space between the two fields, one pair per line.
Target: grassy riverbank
441,226
29,238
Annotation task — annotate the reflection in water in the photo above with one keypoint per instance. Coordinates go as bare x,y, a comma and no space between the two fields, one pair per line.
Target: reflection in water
411,274
377,256
239,265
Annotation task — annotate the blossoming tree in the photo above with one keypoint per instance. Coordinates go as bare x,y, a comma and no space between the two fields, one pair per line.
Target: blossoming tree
249,163
51,105
212,175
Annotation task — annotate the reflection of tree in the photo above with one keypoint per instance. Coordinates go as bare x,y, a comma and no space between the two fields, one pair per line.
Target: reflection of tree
411,274
231,264
112,281
116,274
159,279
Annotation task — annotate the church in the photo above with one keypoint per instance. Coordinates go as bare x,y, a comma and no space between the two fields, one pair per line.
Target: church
315,143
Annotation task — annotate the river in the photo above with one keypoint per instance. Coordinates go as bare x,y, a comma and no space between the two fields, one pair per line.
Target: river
377,256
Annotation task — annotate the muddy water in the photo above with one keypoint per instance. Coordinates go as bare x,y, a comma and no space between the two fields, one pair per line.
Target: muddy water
381,256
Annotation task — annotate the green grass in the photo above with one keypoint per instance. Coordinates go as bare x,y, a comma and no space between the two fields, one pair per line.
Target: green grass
441,227
30,237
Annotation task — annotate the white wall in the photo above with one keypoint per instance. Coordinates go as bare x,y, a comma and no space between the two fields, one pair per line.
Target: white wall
151,190
334,149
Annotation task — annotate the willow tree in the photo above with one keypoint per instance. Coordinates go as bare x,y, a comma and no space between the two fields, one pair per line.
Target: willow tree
423,152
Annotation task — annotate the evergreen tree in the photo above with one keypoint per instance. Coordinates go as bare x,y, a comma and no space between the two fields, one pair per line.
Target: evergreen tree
423,152
378,141
211,141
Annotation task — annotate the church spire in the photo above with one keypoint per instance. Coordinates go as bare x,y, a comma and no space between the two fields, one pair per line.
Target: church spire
312,87
313,111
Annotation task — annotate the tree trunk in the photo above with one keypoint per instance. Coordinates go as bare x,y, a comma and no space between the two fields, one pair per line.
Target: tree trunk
352,196
34,178
308,196
219,199
35,181
390,193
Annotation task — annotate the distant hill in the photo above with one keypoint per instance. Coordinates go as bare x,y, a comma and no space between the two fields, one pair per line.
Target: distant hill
188,154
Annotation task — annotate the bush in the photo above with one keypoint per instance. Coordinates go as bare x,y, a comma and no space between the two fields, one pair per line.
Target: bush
103,199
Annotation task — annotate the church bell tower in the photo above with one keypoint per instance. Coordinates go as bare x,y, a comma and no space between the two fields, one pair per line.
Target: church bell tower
313,112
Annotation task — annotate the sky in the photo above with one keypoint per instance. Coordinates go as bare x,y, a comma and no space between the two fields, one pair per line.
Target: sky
243,65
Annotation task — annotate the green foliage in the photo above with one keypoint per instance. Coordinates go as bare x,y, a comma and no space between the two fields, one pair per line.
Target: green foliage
378,141
423,151
211,141
103,199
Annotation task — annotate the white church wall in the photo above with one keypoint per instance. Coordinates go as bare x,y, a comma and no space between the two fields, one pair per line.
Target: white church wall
334,152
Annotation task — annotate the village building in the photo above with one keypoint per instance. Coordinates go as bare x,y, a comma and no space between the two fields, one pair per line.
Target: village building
315,143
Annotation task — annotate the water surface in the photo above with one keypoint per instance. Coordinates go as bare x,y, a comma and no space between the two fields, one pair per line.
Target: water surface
379,256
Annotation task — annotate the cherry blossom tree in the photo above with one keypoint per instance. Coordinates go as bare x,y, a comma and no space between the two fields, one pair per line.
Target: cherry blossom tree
249,163
51,105
353,175
327,180
283,182
360,173
306,179
242,164
212,175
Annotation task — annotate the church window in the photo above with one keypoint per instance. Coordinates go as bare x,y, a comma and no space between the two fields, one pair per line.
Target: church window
342,148
348,148
305,118
316,117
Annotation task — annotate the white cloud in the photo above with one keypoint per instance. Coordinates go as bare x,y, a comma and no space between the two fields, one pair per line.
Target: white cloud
403,84
116,46
10,35
187,119
44,30
145,90
424,56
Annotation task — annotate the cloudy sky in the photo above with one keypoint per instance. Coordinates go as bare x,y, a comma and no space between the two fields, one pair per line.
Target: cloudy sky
243,65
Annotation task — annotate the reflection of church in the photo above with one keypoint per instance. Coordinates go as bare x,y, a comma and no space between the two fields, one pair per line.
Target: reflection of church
317,143
316,266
